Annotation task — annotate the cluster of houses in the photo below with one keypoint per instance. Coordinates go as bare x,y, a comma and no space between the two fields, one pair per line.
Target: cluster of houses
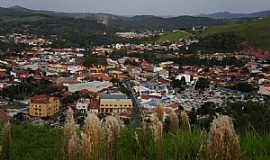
134,35
99,88
31,40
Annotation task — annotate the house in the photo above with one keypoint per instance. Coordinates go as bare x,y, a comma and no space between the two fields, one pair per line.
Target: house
117,74
150,88
187,77
95,76
264,90
146,66
82,105
33,67
163,73
97,69
166,64
43,106
115,103
73,69
21,74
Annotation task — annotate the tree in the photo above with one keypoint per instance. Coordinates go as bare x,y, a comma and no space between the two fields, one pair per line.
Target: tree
90,61
202,84
183,81
115,81
116,54
208,108
180,84
193,116
250,115
243,87
221,42
71,98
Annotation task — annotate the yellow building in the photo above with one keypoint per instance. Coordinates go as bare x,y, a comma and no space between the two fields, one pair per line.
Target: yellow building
43,106
115,103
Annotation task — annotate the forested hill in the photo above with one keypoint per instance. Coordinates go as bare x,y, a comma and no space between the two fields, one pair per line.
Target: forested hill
119,23
148,22
256,32
84,29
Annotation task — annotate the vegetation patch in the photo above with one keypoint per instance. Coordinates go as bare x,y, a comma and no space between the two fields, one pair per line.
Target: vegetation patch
256,32
173,36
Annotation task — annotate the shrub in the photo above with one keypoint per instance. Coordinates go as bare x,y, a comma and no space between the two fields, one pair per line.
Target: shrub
70,136
184,121
172,123
91,138
112,133
223,142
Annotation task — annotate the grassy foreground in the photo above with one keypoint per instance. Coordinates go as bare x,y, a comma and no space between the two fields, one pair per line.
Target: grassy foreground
42,143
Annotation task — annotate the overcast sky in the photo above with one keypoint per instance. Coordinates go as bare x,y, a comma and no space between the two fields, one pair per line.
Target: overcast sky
138,7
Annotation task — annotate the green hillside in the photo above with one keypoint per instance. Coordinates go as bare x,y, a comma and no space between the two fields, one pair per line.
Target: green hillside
256,32
173,36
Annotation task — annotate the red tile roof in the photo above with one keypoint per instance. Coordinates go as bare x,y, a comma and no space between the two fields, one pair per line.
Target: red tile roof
94,104
124,115
71,81
150,96
40,99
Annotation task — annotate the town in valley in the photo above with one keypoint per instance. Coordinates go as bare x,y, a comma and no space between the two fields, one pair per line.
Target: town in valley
64,73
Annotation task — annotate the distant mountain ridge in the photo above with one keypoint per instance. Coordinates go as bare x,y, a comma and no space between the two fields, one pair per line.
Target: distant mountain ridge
25,11
218,15
229,15
122,23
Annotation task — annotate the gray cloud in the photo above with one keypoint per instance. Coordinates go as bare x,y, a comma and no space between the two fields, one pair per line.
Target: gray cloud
132,7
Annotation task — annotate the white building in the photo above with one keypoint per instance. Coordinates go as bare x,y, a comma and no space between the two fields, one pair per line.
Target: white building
264,90
95,86
73,69
186,76
82,105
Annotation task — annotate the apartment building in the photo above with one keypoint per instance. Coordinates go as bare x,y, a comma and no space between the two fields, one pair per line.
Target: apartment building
115,103
43,106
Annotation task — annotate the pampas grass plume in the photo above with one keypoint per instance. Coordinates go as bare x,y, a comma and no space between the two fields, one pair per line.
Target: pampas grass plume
223,142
